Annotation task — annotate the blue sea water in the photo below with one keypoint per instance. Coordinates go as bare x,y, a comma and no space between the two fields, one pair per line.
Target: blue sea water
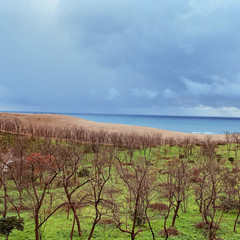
188,124
207,125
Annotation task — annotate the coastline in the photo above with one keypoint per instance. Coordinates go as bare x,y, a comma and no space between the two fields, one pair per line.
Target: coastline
65,121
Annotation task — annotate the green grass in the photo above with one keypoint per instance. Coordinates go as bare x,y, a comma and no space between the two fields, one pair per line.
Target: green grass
59,226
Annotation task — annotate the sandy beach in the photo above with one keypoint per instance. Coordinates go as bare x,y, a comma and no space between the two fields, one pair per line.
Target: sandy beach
64,121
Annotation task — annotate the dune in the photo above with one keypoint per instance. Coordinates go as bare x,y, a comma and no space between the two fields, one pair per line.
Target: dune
64,121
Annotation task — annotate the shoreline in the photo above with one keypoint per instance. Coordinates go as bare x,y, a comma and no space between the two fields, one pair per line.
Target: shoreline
65,121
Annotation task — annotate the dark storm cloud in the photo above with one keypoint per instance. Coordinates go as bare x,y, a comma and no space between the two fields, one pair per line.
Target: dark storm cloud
158,57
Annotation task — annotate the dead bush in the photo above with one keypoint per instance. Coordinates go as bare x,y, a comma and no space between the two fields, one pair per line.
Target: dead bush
170,232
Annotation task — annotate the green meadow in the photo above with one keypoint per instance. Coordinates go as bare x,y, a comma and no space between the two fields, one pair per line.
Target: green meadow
116,187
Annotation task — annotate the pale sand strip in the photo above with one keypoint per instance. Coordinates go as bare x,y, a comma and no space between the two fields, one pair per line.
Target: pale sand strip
64,121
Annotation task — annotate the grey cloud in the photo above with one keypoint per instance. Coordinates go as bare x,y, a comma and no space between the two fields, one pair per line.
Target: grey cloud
145,93
75,55
168,93
217,86
112,93
196,88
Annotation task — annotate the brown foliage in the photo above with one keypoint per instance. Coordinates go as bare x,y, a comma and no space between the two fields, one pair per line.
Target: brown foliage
158,206
171,231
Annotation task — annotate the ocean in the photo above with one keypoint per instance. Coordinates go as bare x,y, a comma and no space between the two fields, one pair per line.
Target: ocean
204,125
188,124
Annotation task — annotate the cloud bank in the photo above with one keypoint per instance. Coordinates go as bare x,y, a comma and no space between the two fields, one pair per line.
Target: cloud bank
158,57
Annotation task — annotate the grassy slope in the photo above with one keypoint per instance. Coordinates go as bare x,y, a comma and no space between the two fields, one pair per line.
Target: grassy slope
59,227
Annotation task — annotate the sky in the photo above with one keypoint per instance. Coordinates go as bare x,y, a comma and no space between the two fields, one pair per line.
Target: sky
160,57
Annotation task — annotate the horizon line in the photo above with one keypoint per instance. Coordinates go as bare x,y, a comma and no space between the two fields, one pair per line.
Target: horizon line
119,114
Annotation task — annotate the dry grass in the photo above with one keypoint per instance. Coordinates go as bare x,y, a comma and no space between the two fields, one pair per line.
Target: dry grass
63,121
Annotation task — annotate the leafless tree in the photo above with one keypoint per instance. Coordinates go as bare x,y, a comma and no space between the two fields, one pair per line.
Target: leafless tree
208,189
3,181
139,180
174,183
100,175
236,139
34,170
69,159
228,141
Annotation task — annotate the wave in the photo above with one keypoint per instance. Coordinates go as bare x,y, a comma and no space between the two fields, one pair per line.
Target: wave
206,132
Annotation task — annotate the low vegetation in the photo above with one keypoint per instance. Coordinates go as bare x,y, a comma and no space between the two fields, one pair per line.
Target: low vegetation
78,184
